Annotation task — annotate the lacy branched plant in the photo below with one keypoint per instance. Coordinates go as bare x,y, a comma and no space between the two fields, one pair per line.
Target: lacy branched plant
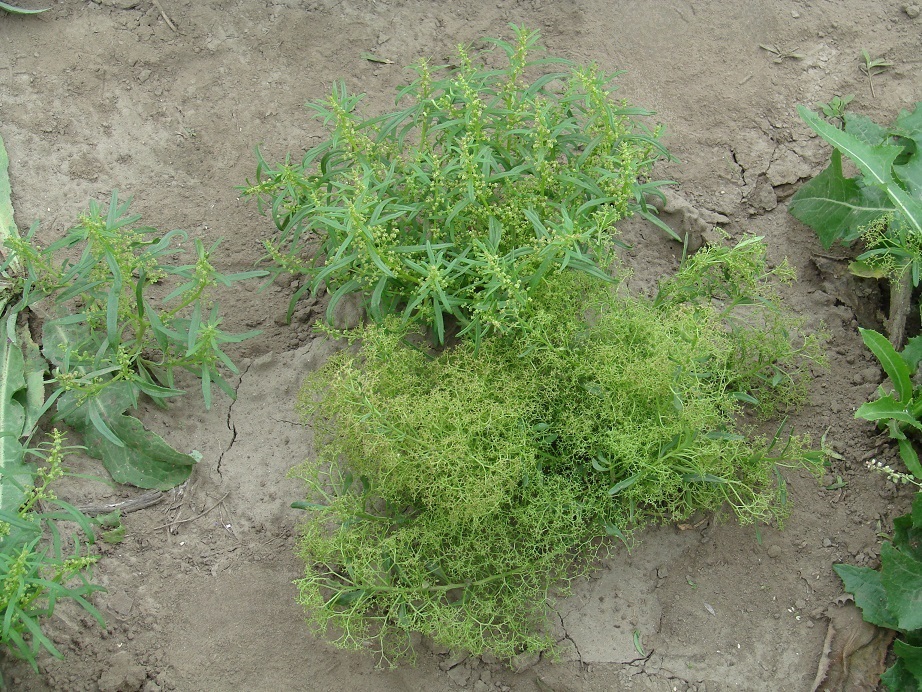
453,495
459,204
736,283
39,567
109,341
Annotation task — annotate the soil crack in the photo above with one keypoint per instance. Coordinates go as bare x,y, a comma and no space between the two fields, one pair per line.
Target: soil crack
230,421
566,635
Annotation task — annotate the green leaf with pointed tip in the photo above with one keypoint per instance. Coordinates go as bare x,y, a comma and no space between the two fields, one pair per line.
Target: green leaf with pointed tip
868,271
895,367
887,408
910,458
623,485
874,162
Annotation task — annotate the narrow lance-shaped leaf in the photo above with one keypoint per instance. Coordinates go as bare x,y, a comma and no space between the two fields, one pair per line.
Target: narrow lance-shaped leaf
891,361
12,9
887,408
910,458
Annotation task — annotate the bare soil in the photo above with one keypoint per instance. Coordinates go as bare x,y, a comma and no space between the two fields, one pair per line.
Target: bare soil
166,99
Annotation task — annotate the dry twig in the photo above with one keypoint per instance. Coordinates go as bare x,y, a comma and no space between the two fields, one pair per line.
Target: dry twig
171,524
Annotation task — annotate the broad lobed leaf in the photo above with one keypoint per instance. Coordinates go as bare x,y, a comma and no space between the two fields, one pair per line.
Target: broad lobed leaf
836,207
867,586
901,578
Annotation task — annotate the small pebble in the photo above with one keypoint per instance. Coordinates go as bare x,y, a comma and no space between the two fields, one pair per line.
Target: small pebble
774,551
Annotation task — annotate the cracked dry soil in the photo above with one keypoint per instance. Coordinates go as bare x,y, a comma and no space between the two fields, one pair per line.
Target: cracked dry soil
104,94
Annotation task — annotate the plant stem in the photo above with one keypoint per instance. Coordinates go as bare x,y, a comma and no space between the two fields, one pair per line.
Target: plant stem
900,296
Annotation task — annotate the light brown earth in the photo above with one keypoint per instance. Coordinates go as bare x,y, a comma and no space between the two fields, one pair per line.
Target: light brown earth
103,95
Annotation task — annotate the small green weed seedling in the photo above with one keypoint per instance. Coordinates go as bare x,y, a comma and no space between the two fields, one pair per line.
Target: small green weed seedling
458,205
882,205
872,67
835,109
454,495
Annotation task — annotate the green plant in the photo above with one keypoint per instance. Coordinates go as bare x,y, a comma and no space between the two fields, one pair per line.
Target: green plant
458,205
871,67
890,597
452,494
38,567
882,204
109,341
899,414
835,109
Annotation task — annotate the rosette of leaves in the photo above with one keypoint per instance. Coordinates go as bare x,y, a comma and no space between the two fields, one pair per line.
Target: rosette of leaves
454,494
456,206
